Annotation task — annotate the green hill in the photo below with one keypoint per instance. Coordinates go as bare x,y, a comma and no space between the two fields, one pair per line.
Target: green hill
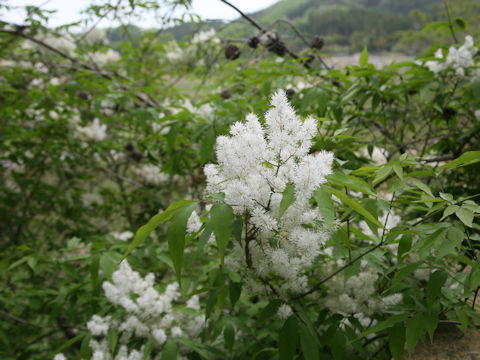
345,24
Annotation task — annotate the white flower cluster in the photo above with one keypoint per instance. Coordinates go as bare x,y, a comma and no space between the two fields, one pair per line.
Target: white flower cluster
255,166
122,236
95,131
204,36
150,174
356,295
175,54
103,58
458,59
148,314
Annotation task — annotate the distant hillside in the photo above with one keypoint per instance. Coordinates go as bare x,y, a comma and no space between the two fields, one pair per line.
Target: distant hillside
347,25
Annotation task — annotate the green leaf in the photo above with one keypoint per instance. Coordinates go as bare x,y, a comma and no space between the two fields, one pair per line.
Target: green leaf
364,57
229,336
148,348
350,182
235,289
325,205
398,170
155,221
176,236
222,218
308,344
207,145
85,351
468,158
431,319
109,262
354,205
461,23
269,310
288,339
421,185
414,332
446,197
404,246
465,215
169,351
392,320
112,339
288,198
70,342
337,345
449,210
382,174
434,287
396,340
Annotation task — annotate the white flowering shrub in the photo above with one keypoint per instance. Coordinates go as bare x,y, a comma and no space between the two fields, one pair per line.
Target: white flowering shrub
256,166
148,213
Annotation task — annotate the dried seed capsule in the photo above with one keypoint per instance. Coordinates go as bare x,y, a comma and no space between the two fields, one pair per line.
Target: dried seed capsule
253,42
82,94
226,94
317,42
232,52
129,147
276,46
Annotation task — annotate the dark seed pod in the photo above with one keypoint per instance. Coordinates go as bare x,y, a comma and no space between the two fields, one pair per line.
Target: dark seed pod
136,156
253,42
276,46
290,93
129,147
232,52
317,42
82,94
226,94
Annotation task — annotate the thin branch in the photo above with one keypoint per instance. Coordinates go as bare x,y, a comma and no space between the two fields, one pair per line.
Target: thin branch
247,17
21,321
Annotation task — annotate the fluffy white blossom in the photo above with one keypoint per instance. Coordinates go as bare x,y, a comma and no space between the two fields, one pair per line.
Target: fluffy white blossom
456,59
103,58
204,36
60,357
95,36
255,165
284,312
150,174
95,131
357,293
122,236
98,325
149,313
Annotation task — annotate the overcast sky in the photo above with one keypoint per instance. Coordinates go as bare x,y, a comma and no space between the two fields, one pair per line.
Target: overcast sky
69,10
